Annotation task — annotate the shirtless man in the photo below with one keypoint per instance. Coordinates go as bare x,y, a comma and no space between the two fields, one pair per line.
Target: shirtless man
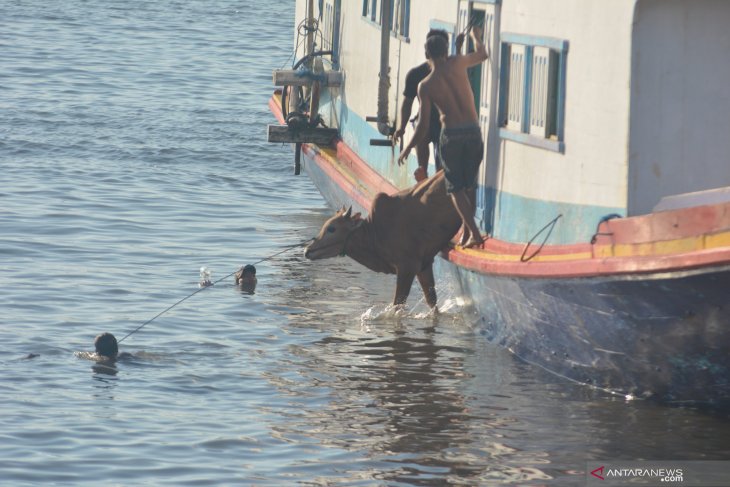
413,79
461,138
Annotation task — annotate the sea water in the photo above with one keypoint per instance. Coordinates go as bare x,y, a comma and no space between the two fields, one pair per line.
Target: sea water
132,153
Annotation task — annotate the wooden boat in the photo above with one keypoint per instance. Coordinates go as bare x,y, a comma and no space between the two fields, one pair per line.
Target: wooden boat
605,185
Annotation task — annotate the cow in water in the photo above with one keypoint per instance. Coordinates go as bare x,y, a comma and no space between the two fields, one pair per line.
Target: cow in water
401,236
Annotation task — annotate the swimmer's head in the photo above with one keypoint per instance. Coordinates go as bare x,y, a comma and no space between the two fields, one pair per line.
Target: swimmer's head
246,278
248,271
106,345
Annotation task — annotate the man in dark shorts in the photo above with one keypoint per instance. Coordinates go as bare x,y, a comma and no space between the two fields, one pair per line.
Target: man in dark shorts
461,145
413,78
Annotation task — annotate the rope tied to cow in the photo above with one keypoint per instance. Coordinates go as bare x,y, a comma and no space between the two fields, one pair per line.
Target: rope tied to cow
180,301
343,252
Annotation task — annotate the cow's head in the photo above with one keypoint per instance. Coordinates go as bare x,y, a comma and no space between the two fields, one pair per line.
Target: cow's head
334,236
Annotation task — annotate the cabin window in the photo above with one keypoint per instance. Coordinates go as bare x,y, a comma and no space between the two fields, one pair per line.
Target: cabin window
543,109
532,93
331,28
400,15
369,9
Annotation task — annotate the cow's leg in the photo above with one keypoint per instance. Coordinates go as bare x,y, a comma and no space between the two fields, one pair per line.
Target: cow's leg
428,284
404,281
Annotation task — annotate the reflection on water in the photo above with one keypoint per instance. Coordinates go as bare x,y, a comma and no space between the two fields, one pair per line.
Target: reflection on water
394,392
102,368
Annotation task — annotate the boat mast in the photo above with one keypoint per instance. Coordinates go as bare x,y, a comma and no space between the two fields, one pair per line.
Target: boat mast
310,41
310,32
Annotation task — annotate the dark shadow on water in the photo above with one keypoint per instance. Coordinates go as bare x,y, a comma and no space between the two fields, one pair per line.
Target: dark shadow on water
247,290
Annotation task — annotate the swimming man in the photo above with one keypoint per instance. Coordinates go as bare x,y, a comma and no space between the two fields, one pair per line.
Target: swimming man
246,278
106,347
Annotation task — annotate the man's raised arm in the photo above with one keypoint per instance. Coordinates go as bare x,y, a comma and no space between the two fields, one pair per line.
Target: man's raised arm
479,54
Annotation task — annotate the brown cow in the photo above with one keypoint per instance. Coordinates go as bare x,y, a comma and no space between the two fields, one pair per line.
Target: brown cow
401,236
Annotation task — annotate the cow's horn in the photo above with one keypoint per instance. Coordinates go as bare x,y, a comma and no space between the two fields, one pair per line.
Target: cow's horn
349,211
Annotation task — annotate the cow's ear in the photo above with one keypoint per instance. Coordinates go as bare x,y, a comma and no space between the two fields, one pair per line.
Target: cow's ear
342,211
357,216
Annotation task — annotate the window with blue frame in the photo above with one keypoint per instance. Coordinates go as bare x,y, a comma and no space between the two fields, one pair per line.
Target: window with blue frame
401,10
331,28
400,14
532,90
369,9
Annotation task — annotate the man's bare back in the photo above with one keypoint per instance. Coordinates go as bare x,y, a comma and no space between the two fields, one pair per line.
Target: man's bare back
448,87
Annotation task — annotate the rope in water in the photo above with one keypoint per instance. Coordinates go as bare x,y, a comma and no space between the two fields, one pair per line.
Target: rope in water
286,249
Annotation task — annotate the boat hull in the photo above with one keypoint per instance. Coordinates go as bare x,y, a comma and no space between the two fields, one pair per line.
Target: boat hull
333,187
651,336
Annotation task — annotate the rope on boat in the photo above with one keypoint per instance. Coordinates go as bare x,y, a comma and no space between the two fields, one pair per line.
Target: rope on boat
594,238
551,225
286,249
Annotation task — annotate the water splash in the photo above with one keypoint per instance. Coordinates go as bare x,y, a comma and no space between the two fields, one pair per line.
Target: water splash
450,304
205,275
454,305
380,314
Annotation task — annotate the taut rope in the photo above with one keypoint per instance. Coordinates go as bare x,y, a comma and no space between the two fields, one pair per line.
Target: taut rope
286,249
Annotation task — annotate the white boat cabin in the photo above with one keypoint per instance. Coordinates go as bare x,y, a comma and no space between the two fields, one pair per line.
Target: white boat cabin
588,108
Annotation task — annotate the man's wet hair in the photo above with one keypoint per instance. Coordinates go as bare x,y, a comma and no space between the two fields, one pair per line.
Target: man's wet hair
437,45
106,345
248,269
